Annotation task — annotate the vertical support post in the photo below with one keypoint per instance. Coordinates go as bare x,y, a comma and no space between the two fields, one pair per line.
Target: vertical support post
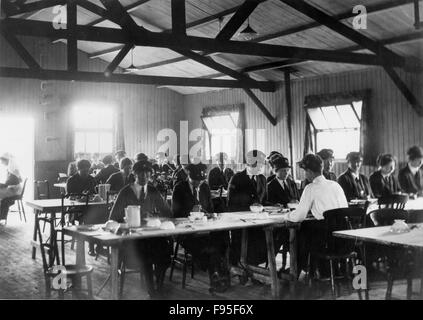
178,17
288,99
71,12
416,14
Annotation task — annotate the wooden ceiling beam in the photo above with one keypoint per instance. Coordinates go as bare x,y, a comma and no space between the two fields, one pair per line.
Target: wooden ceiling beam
72,43
64,75
178,17
20,50
118,59
371,9
162,40
12,9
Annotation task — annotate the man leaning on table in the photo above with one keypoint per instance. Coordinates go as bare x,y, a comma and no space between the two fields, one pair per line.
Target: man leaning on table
319,196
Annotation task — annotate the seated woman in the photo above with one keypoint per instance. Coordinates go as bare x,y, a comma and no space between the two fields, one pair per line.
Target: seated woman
107,171
411,176
383,182
122,178
10,188
81,181
207,250
147,253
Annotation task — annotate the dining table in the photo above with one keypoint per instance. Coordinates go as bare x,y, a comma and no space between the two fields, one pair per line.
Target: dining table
52,207
225,222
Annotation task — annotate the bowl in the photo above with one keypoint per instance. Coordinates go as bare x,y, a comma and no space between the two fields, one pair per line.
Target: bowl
167,225
196,215
256,208
153,223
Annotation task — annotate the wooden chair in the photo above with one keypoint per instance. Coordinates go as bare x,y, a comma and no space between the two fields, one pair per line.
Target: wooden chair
18,198
51,269
335,250
184,259
398,260
394,201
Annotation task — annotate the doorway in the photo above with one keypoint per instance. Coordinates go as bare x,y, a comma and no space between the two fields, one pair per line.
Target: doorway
17,138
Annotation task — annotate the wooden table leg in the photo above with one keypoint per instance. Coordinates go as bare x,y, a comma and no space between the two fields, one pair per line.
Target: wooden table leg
244,247
272,262
114,265
293,260
80,252
34,237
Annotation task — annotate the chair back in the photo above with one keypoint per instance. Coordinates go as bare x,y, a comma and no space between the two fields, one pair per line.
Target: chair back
342,219
62,177
386,216
110,202
394,201
23,189
42,189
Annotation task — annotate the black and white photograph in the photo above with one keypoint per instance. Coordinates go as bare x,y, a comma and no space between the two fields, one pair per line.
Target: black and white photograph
215,155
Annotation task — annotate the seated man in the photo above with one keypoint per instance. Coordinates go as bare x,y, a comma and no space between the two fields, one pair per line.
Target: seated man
81,181
217,176
122,178
179,173
355,184
72,169
207,250
148,253
119,155
107,171
319,196
327,157
246,188
411,177
383,182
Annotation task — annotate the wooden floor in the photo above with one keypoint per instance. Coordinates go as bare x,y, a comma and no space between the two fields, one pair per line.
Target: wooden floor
22,278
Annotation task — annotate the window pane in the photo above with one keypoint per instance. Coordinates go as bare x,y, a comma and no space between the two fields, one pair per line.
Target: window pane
106,142
341,142
79,142
235,117
348,116
208,121
358,105
93,117
316,116
92,142
332,117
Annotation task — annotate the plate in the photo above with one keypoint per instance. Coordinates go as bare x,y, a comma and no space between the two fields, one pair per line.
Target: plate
86,228
272,209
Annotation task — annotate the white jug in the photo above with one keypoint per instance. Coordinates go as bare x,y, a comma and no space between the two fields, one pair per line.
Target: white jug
133,216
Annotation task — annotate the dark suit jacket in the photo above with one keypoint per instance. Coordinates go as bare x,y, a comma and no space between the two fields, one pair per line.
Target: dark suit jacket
72,169
152,205
410,183
275,193
242,192
349,185
217,178
105,173
178,175
183,200
77,184
383,187
117,181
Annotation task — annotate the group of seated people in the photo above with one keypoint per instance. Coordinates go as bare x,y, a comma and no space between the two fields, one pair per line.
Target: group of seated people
192,188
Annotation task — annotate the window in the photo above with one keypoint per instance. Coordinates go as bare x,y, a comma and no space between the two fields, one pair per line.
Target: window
94,128
222,129
337,127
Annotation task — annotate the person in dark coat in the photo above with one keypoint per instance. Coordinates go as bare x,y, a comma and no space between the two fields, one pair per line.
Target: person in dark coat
81,182
179,173
152,253
122,178
107,171
218,176
270,158
281,191
383,182
72,168
355,184
208,251
248,187
411,177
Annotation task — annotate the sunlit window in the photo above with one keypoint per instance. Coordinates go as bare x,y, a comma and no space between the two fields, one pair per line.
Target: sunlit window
93,129
337,127
222,130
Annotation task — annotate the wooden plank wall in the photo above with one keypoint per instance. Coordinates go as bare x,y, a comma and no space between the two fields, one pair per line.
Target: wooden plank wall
147,109
398,125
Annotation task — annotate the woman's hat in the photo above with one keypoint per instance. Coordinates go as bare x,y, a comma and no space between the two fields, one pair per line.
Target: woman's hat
196,171
142,166
326,154
280,163
415,152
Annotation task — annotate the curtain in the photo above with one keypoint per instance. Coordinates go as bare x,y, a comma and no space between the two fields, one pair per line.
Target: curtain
370,146
119,137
